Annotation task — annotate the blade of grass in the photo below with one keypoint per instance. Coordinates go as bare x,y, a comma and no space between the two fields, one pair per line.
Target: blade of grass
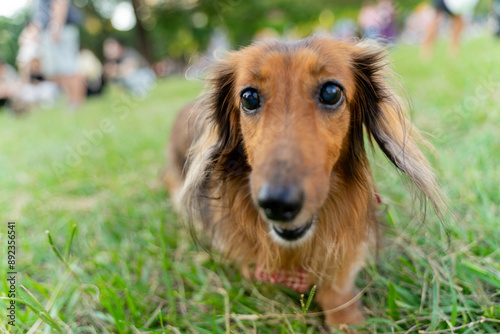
70,241
40,310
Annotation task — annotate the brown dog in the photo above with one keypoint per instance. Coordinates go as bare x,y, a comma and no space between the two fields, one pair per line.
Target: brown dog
272,161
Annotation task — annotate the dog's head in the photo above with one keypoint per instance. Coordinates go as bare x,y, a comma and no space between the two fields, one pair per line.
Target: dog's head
293,114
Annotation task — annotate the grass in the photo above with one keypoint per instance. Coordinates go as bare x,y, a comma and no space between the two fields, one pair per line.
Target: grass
117,259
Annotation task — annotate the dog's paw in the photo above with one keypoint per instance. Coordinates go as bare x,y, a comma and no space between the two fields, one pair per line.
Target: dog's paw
340,321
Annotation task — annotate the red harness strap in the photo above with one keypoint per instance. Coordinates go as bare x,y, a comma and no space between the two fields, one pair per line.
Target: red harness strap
295,280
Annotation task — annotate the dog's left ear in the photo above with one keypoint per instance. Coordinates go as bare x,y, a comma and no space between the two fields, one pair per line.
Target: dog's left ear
216,149
381,111
223,110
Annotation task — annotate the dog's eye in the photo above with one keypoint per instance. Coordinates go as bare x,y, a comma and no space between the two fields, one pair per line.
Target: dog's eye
250,99
330,94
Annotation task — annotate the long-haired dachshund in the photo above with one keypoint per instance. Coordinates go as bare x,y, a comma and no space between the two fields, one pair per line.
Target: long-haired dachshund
272,162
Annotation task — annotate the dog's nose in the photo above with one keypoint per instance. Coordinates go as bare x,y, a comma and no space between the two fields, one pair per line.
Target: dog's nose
280,203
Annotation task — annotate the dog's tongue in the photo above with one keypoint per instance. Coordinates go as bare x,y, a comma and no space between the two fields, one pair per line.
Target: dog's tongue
295,280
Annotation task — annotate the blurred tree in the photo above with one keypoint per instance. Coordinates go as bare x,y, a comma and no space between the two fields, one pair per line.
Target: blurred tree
180,28
141,32
10,29
184,27
177,28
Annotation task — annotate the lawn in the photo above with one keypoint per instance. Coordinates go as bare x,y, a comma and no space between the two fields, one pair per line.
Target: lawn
100,250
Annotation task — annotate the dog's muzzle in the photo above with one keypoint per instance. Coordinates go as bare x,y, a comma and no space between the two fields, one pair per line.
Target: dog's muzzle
281,205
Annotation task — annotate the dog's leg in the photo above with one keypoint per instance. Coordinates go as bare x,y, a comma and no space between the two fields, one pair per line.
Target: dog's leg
339,306
336,297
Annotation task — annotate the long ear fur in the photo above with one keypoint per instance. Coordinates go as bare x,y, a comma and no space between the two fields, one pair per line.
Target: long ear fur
223,113
217,152
381,111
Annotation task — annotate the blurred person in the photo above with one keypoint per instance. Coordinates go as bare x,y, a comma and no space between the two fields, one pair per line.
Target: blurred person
127,67
417,24
378,21
454,9
91,68
32,89
368,20
21,96
28,55
345,30
10,83
387,13
58,22
168,66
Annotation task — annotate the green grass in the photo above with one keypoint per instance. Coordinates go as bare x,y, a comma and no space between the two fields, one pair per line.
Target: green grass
120,261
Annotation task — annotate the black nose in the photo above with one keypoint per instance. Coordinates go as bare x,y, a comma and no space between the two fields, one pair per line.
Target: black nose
280,203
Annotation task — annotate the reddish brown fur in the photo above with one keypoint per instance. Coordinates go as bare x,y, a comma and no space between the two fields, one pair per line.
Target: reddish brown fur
233,153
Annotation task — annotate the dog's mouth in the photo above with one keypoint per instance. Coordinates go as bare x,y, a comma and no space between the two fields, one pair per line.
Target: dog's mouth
293,234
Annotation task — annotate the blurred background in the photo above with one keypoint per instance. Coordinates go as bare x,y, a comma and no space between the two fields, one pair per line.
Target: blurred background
167,37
